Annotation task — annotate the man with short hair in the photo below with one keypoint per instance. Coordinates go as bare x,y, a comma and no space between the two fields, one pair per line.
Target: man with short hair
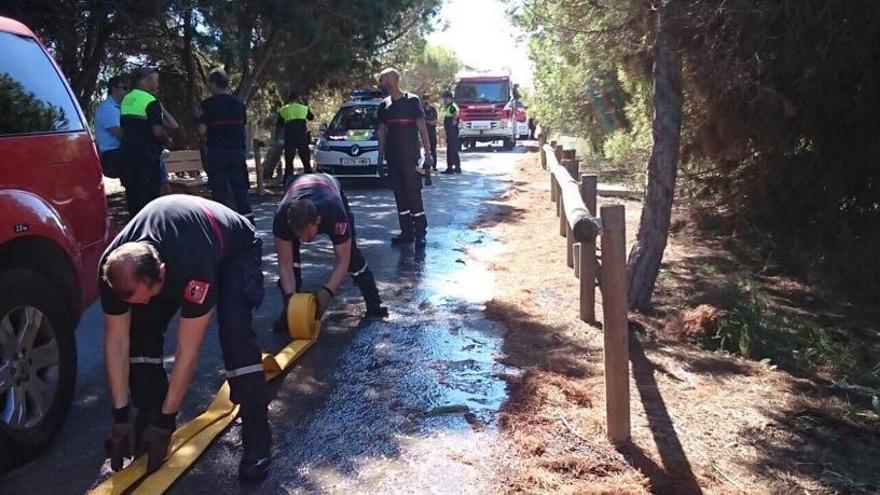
315,204
401,127
450,126
143,137
108,133
188,254
222,126
292,119
431,125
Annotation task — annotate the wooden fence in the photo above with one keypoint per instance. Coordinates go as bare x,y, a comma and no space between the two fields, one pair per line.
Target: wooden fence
578,224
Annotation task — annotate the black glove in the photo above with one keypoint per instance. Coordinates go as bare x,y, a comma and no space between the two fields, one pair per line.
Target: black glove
120,444
324,296
157,438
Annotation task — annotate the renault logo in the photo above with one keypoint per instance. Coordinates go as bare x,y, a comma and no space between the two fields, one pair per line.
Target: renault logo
355,150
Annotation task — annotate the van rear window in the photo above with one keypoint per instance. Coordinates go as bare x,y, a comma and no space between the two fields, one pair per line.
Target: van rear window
33,98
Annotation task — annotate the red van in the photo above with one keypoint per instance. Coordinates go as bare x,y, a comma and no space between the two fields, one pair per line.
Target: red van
53,228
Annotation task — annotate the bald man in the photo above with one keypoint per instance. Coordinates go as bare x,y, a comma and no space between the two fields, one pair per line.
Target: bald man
187,254
401,127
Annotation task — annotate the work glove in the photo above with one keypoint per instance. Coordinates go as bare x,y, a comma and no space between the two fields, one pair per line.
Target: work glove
157,438
428,162
324,296
121,442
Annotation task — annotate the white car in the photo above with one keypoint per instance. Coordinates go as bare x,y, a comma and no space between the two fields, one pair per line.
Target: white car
349,145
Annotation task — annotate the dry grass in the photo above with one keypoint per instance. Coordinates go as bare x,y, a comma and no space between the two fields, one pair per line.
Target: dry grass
701,421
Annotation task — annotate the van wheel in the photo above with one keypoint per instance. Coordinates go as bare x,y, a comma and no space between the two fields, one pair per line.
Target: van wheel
37,364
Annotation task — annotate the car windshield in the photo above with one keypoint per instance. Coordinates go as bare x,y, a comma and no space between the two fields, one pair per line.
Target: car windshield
360,117
482,92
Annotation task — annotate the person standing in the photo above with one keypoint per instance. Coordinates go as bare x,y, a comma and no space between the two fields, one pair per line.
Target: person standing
192,255
222,126
292,119
108,133
431,125
450,126
401,127
143,137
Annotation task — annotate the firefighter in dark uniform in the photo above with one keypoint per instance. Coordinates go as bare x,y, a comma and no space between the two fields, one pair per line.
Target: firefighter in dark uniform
188,254
292,118
143,137
315,204
450,126
401,127
431,125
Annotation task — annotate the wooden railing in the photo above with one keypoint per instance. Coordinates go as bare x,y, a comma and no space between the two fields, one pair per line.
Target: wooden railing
576,208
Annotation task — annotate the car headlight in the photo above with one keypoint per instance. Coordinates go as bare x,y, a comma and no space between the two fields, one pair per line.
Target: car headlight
322,145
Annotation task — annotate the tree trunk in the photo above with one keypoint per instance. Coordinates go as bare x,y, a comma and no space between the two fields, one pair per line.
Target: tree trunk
647,253
189,66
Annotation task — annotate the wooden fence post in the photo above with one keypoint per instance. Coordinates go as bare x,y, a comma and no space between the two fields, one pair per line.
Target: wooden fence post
258,166
557,152
542,157
586,264
563,221
568,163
614,314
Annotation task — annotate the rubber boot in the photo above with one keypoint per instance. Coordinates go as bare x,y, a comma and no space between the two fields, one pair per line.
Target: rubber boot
402,238
420,227
366,283
256,438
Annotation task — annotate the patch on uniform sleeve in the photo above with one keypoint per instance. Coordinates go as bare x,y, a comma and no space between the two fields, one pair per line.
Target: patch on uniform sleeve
196,291
340,228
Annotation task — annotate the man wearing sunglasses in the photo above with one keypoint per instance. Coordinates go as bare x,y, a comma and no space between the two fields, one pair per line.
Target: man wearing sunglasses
108,133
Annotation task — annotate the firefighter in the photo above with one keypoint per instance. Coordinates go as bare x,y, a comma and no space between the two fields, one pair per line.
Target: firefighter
292,118
401,127
431,125
188,254
315,204
222,127
450,125
143,137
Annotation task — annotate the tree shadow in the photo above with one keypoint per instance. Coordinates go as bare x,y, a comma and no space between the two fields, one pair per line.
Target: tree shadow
814,444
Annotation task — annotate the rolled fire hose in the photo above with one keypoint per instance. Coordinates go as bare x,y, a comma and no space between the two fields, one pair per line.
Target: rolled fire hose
190,440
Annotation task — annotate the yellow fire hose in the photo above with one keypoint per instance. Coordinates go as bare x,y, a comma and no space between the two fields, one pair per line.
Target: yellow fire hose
190,440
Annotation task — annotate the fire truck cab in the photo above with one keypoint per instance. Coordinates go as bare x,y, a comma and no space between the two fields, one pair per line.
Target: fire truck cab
487,109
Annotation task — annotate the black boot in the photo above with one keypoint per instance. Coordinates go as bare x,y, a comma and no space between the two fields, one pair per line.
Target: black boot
366,283
448,171
256,438
402,239
280,324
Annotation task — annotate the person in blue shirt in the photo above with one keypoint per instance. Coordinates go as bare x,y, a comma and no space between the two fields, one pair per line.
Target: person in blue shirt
108,132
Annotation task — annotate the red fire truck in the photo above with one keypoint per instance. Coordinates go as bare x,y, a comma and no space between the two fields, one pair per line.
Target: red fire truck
487,107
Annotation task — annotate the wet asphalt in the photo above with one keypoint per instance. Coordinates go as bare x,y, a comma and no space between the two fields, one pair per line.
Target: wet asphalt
402,405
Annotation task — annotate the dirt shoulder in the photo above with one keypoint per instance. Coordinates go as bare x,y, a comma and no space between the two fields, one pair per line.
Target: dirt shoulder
701,421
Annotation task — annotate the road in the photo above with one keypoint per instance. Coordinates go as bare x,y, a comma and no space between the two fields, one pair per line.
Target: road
404,405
